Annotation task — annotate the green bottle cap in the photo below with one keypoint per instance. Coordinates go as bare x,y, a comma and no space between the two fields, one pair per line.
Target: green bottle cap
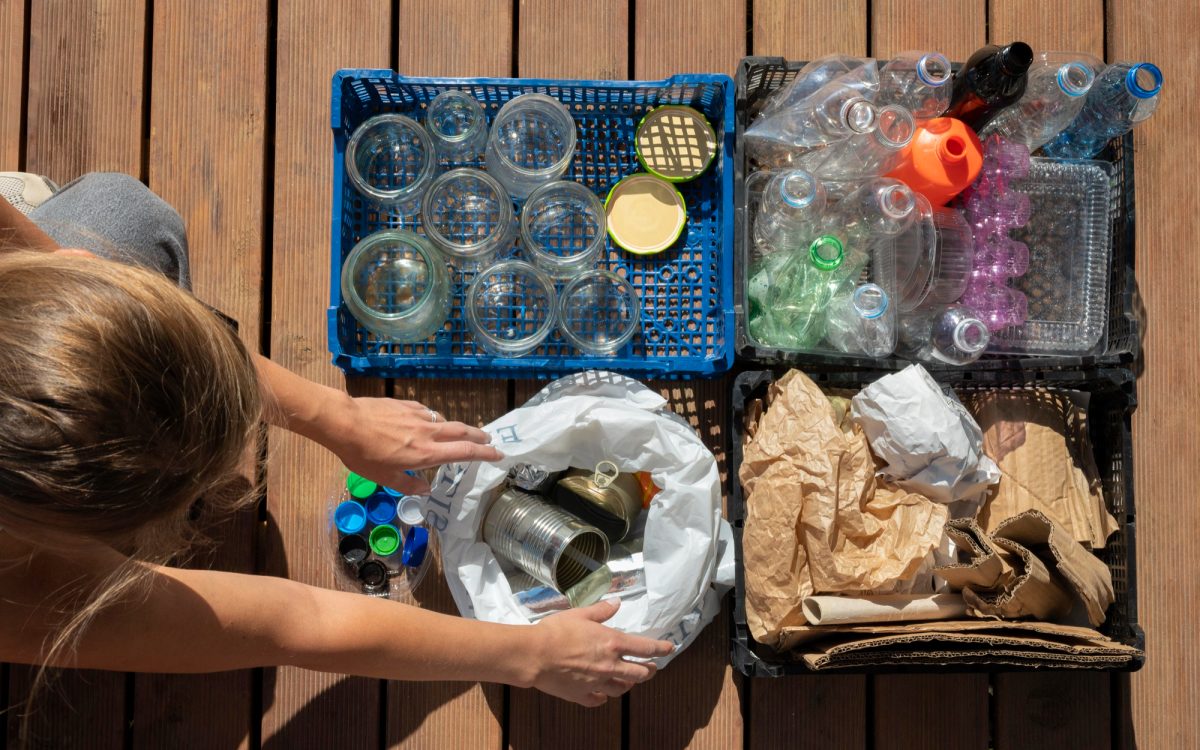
360,487
385,540
826,252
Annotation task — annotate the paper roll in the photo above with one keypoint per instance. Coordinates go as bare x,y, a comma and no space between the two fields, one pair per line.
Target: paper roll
846,610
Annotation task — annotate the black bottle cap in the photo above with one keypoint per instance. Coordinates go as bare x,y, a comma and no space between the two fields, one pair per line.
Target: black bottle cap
353,549
1016,58
373,575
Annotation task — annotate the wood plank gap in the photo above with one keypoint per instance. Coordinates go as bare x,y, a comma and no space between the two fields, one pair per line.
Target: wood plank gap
23,131
268,180
147,90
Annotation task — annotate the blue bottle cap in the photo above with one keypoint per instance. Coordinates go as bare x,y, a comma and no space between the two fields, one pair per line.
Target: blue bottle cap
393,493
381,508
350,517
416,542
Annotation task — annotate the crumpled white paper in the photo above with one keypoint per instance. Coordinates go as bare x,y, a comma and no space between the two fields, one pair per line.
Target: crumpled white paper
930,443
578,421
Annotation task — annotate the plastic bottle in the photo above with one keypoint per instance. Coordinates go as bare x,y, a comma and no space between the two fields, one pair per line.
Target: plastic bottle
943,158
990,80
861,320
862,157
953,334
790,208
789,293
817,74
918,81
1054,95
1122,96
834,112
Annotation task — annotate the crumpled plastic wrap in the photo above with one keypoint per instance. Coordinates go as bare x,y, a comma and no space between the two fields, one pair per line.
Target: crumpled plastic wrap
817,519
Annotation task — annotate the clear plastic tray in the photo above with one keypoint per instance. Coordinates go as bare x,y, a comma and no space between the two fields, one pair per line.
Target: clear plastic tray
1068,277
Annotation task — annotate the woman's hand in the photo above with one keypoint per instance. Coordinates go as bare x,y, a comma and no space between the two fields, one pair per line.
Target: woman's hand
580,660
382,438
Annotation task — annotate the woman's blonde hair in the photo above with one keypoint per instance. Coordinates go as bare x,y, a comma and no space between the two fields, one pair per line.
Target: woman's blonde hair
123,400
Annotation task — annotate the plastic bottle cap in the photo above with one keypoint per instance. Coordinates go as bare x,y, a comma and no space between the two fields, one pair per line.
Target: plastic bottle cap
934,69
798,189
1136,80
859,115
359,486
826,252
416,543
385,540
1075,78
411,510
645,214
394,493
350,517
971,335
870,301
381,508
373,575
353,549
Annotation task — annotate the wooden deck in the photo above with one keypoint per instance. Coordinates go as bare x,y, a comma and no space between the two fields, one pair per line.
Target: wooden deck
222,108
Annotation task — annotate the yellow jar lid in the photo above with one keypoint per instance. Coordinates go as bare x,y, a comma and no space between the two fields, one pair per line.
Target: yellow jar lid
645,214
675,143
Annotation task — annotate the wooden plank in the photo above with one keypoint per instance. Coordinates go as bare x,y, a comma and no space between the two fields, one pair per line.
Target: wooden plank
682,36
455,37
207,149
776,715
1052,710
942,711
85,79
808,712
85,87
80,708
12,81
1030,709
1166,446
955,29
448,714
807,29
313,40
588,42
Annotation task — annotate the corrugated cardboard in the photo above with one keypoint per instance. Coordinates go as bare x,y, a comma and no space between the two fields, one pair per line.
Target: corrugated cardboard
1040,441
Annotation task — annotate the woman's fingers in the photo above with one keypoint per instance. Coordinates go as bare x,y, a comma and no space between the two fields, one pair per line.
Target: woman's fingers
409,484
593,700
646,648
634,672
446,432
616,688
449,453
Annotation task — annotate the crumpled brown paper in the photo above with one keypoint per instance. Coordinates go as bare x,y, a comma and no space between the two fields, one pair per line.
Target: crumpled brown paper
1030,567
817,521
1040,441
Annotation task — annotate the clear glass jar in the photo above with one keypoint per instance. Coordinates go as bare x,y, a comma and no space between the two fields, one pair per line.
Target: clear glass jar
457,125
510,308
469,217
532,142
397,286
599,312
563,228
391,159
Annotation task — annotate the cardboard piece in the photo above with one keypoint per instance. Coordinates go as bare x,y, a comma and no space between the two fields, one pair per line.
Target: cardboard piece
817,520
841,610
1040,441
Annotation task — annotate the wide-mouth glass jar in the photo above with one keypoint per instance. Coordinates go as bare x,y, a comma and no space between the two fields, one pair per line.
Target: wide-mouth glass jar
391,160
397,285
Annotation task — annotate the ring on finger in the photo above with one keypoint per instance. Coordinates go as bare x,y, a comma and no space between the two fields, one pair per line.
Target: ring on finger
433,415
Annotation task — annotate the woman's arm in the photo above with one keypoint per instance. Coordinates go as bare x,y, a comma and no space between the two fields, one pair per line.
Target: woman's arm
379,438
205,621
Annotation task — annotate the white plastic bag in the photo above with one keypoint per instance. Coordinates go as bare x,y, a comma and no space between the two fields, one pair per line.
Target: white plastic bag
578,421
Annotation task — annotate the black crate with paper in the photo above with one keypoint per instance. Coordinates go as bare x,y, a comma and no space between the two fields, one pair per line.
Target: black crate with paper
894,521
880,221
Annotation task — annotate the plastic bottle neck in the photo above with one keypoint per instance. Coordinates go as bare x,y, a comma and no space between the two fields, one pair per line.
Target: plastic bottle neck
971,335
952,149
870,301
826,252
1144,80
1014,59
858,115
933,69
798,189
1075,78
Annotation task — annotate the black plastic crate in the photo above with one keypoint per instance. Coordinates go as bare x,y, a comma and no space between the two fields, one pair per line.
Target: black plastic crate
758,77
1111,405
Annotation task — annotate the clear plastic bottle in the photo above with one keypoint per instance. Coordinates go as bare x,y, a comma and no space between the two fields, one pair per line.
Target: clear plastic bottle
861,320
789,211
1053,96
1122,96
918,81
817,74
833,113
952,334
789,293
882,207
862,157
990,80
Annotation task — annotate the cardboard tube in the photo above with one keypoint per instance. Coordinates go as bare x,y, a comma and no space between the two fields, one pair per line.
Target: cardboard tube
846,610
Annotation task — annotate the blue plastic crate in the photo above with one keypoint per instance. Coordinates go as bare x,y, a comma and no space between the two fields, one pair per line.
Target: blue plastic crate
687,326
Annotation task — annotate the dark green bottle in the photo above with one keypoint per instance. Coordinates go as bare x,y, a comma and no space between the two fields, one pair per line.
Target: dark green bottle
992,79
